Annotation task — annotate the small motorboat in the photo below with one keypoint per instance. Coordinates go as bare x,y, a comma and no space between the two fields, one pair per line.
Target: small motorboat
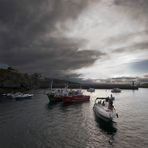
75,97
17,95
116,90
91,90
21,96
104,109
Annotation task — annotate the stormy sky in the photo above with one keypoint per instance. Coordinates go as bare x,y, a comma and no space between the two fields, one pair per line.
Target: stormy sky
85,39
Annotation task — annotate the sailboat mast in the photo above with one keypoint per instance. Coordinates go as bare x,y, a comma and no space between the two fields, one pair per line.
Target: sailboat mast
51,84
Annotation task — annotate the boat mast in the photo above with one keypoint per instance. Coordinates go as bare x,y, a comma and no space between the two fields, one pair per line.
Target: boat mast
51,85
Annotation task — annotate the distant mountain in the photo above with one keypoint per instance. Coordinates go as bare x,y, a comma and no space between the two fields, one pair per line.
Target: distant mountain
4,66
13,79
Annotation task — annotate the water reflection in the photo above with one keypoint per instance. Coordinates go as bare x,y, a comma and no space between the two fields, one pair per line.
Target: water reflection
36,123
107,127
50,106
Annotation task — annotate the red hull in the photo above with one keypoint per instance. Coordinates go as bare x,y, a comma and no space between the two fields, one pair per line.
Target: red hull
75,99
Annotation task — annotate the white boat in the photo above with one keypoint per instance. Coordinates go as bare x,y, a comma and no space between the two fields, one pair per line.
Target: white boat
21,96
91,90
116,90
103,111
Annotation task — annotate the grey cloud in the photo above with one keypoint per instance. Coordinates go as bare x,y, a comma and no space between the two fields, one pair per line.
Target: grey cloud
135,9
26,40
125,37
136,41
130,3
23,21
128,43
24,44
61,52
51,58
132,48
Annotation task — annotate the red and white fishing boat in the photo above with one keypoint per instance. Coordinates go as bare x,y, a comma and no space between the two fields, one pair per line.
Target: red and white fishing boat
66,95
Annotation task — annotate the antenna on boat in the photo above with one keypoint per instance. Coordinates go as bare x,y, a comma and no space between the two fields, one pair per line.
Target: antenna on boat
51,84
66,85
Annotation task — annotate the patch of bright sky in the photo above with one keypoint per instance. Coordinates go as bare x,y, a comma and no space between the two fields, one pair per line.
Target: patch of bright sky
117,66
97,24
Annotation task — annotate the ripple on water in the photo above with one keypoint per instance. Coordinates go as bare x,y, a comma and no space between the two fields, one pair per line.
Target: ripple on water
35,123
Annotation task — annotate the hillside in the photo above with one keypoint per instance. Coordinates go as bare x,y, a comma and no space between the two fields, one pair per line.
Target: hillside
11,79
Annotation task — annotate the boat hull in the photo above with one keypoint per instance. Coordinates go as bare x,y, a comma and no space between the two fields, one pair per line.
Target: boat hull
102,114
91,90
54,99
75,99
116,90
21,98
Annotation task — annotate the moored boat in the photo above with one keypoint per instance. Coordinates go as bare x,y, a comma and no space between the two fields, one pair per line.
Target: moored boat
91,90
116,90
105,109
22,96
18,95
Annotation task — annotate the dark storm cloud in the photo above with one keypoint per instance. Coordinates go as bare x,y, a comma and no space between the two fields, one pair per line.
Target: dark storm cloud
36,16
24,43
23,21
53,58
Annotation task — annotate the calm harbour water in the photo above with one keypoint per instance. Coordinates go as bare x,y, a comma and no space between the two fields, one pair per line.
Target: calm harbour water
33,123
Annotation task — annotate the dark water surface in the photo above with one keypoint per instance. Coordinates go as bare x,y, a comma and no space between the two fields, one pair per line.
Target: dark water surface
33,123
